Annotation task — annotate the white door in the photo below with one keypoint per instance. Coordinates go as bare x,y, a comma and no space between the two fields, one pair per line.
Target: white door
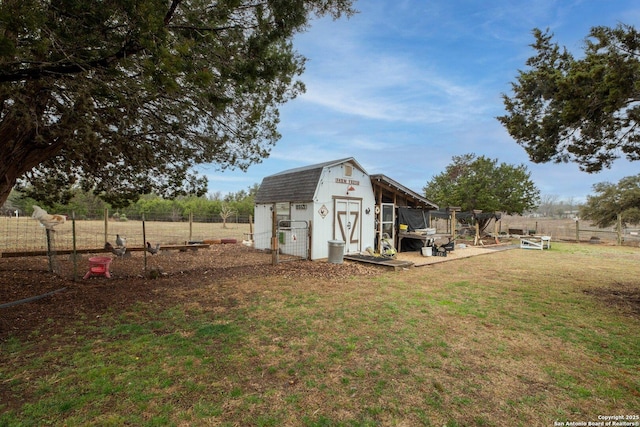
347,224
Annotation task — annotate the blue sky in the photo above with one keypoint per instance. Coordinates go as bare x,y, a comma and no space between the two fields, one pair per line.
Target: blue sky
403,86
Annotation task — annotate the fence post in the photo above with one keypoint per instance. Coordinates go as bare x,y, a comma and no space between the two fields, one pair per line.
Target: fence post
49,249
144,243
619,229
75,254
105,214
577,231
274,237
191,225
309,239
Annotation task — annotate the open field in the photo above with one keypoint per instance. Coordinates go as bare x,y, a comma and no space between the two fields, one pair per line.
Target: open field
518,337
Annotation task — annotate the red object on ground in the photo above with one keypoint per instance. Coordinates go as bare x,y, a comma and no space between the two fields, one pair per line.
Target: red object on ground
98,266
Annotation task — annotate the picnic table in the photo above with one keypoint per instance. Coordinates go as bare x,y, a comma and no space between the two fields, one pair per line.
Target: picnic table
535,242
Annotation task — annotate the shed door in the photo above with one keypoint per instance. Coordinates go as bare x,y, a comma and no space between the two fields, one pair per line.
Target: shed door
347,223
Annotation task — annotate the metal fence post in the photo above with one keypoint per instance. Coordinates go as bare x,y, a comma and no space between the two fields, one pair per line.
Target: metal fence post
105,215
144,243
75,254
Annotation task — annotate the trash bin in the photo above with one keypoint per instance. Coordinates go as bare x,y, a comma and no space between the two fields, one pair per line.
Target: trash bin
336,251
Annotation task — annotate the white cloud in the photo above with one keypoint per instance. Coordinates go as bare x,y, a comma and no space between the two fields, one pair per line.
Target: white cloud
404,86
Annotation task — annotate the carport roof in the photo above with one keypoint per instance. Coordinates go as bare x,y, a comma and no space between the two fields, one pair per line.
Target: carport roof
395,187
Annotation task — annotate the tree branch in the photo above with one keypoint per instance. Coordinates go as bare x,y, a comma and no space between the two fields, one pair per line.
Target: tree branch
171,11
68,68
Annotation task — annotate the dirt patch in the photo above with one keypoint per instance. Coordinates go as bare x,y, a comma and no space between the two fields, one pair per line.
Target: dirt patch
23,278
623,297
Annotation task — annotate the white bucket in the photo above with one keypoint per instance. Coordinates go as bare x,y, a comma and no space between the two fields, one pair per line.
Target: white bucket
427,251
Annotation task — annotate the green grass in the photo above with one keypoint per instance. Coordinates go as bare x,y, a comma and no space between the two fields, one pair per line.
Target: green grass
507,339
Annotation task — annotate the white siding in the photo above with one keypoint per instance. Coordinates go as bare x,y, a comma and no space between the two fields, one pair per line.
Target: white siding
334,184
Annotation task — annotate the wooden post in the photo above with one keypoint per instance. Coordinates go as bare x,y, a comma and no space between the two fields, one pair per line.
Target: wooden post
310,240
453,224
49,251
495,229
477,238
190,225
452,211
274,237
619,229
577,231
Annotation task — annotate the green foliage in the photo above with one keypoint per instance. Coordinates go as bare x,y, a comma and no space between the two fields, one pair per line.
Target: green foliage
581,110
612,200
125,99
203,209
480,183
86,205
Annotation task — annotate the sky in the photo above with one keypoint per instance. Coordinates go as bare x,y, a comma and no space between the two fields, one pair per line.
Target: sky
405,85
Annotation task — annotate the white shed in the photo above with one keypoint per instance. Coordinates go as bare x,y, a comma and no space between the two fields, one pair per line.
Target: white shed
334,199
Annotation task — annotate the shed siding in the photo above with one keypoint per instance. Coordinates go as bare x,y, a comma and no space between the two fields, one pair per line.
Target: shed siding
319,188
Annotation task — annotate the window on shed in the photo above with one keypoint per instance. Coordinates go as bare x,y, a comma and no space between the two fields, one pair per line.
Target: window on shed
348,170
283,211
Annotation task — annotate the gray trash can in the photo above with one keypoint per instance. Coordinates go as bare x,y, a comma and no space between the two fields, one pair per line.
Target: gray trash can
336,251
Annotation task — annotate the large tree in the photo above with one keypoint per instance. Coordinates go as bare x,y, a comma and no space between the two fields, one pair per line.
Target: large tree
612,200
583,110
479,183
124,97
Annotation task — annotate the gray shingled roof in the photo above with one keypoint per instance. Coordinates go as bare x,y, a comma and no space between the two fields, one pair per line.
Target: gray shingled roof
294,185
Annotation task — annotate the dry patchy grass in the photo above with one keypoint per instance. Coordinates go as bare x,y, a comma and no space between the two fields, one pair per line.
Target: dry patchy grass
513,338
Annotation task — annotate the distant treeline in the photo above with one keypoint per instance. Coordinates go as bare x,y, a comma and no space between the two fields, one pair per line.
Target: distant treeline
212,208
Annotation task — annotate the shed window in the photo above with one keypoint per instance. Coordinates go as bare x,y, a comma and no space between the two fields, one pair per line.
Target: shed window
348,170
283,211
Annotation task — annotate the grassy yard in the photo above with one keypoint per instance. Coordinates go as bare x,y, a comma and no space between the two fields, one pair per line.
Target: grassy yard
518,338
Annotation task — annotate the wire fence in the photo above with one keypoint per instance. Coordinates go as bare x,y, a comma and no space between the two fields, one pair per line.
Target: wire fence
567,230
25,234
24,237
69,247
